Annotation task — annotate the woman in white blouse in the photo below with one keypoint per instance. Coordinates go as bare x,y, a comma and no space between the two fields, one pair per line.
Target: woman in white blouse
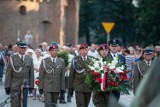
36,61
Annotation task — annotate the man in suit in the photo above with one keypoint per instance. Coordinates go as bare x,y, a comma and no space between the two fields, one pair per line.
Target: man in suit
142,67
20,67
77,77
52,76
113,46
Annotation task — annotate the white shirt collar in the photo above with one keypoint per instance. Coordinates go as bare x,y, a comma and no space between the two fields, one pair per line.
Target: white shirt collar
21,55
84,57
114,54
53,59
147,62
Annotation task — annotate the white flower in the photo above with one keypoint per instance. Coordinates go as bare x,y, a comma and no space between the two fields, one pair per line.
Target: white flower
119,69
111,67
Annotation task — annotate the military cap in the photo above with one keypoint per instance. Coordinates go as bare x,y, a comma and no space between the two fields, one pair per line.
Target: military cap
53,46
114,42
103,47
21,44
148,50
83,46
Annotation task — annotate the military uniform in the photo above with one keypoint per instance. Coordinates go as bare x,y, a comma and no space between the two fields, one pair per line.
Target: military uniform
77,78
51,79
141,69
101,99
17,71
121,61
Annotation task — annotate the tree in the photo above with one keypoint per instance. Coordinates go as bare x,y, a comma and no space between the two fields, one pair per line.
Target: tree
94,12
148,21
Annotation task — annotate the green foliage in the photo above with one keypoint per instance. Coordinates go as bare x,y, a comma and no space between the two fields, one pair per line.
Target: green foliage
94,12
64,56
133,25
148,21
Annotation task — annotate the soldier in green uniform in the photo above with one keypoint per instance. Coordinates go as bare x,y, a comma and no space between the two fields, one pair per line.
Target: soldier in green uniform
77,77
101,99
20,67
142,67
52,76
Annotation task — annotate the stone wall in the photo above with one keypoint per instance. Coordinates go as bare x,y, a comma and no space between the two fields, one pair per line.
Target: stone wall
48,20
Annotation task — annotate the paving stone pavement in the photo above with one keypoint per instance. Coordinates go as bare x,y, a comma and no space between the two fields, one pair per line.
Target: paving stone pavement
124,100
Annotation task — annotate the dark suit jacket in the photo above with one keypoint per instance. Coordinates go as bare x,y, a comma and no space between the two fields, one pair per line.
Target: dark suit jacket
121,59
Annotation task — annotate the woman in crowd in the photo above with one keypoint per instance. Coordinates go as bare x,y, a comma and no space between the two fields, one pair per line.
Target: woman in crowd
138,54
36,61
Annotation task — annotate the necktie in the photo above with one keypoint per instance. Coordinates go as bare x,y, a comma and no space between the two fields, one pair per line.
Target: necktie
148,64
22,58
114,55
84,59
54,61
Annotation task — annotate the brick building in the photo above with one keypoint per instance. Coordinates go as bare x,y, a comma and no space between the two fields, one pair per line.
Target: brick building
48,20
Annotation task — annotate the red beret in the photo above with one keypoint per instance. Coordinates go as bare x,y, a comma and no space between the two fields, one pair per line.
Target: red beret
83,46
53,46
102,47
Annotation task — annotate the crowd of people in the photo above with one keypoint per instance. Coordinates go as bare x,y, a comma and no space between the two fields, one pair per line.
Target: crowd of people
48,76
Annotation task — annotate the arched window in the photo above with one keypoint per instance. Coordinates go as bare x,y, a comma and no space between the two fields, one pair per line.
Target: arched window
22,10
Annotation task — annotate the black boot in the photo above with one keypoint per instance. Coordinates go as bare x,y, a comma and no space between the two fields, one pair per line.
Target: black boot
62,97
69,97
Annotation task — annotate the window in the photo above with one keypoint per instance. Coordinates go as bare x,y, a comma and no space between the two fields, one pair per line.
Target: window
22,10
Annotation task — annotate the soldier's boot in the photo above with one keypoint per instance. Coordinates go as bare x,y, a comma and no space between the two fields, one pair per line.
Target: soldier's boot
62,97
69,97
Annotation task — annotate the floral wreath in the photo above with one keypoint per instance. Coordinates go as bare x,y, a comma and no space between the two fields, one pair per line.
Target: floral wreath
107,75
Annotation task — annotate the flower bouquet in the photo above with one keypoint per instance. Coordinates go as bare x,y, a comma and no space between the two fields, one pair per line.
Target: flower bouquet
107,76
64,56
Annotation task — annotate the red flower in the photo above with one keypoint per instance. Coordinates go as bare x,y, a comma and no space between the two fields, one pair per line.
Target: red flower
123,76
112,71
112,83
96,74
117,78
99,80
37,82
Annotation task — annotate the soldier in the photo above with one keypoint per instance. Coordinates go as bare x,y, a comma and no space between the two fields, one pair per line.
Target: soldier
20,67
52,76
113,46
142,67
77,77
101,99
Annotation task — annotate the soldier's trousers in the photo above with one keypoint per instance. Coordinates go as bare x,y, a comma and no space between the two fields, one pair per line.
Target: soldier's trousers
82,99
51,98
15,98
101,99
116,95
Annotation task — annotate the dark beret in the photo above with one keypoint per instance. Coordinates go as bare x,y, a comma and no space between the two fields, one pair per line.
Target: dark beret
53,46
103,47
83,46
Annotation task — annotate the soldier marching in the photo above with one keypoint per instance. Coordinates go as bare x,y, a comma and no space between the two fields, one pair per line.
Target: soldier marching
52,74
